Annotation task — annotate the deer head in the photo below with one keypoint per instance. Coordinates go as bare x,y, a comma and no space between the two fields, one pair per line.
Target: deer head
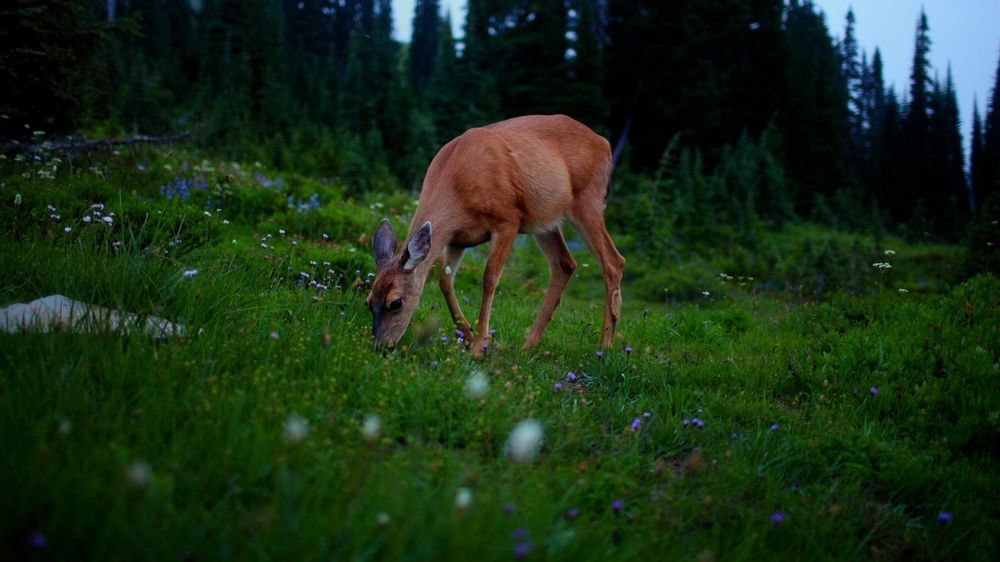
396,290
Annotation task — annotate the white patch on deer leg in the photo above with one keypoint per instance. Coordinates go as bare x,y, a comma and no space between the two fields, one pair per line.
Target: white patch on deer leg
447,270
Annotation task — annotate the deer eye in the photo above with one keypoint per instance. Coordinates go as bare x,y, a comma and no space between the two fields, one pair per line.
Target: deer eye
395,305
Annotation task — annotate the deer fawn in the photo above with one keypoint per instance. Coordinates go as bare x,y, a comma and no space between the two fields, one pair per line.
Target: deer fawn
522,175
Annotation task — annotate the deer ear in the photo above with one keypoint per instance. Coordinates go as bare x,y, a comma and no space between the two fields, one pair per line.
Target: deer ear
384,244
418,247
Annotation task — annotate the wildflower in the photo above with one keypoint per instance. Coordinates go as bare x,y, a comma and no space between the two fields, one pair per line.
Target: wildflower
903,291
17,198
777,518
138,474
944,516
697,422
882,265
37,540
570,376
774,427
628,349
281,232
525,440
189,273
459,340
295,428
617,505
382,518
599,353
87,218
463,498
873,391
225,221
68,229
522,550
519,534
326,236
890,252
274,336
207,214
444,339
636,424
685,422
647,415
371,427
107,219
706,293
476,385
557,387
509,508
571,513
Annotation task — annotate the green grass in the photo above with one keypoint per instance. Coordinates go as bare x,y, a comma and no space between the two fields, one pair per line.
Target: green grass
856,475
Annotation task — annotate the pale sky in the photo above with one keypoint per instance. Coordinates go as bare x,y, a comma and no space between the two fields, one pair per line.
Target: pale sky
964,33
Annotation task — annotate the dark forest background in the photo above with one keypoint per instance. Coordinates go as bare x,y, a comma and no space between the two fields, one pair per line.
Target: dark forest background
734,113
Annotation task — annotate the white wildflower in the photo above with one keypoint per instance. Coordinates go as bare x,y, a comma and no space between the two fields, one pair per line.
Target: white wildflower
138,474
476,385
524,441
371,427
295,428
463,498
189,273
382,518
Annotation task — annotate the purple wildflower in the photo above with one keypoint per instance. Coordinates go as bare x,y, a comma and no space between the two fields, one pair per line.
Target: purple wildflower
520,534
777,518
628,349
616,506
107,220
570,376
774,427
685,422
944,516
572,513
599,353
647,415
698,423
37,540
557,387
459,333
444,339
522,550
636,423
459,340
509,508
873,391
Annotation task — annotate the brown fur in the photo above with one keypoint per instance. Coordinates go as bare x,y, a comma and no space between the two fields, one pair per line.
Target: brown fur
522,175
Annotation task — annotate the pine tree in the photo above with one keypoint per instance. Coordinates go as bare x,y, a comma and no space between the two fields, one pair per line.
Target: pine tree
991,145
976,164
424,45
918,151
852,75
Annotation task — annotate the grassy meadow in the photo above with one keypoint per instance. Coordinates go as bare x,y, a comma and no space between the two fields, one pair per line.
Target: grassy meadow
789,401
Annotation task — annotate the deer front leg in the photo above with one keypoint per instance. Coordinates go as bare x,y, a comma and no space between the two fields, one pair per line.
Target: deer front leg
449,268
503,242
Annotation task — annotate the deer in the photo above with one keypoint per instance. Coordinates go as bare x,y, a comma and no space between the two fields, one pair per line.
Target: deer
522,175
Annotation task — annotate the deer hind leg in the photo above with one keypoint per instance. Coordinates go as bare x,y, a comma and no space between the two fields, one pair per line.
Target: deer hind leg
500,248
587,216
561,267
449,268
